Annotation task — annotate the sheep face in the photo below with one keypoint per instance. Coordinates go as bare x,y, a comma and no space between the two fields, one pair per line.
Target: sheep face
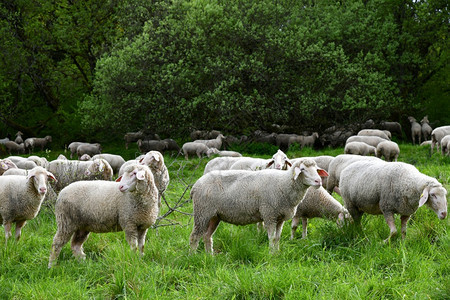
39,177
153,159
99,167
309,173
280,161
136,177
436,198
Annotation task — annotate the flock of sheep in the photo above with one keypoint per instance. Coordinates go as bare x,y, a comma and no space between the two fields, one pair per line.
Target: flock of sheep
234,189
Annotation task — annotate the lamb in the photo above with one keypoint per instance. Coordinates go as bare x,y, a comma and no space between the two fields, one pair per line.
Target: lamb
214,143
14,147
245,197
384,134
114,160
389,150
21,198
31,143
6,164
308,141
19,139
68,171
426,128
220,163
191,148
370,140
445,145
337,165
377,187
130,205
437,135
278,161
317,203
90,149
155,161
152,145
74,146
416,130
359,148
131,137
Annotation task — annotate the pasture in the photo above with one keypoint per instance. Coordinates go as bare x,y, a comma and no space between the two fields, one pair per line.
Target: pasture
332,263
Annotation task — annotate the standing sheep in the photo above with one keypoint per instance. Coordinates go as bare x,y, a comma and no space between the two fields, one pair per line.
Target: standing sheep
19,139
130,205
389,150
393,127
378,187
21,198
191,148
437,135
359,148
445,145
308,141
246,197
152,145
90,149
317,203
370,140
155,161
213,143
31,143
114,160
416,130
14,147
426,128
375,132
74,146
131,137
220,163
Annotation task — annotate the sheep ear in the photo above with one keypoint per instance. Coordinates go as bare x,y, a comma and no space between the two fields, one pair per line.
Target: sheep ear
119,179
140,175
423,197
141,161
30,175
156,157
322,172
288,162
270,163
297,172
4,166
51,176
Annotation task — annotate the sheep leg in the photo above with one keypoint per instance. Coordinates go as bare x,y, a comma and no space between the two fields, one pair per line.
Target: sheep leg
141,240
8,233
273,233
200,228
279,228
207,238
78,238
259,226
389,217
59,240
19,225
305,227
404,221
294,225
131,237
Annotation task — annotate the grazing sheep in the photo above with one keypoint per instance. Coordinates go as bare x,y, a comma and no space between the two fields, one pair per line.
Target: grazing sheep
378,187
90,149
152,145
21,198
246,197
6,164
191,148
359,148
155,161
393,127
389,150
19,139
130,205
426,143
426,128
14,147
375,132
220,163
370,140
74,146
445,145
317,203
416,130
308,141
114,160
337,165
131,137
437,135
68,171
213,143
172,145
31,143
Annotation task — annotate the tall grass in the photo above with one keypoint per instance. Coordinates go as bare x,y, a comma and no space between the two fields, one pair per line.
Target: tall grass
332,263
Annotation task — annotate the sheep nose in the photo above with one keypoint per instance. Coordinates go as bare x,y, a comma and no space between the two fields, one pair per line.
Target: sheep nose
42,190
122,188
443,215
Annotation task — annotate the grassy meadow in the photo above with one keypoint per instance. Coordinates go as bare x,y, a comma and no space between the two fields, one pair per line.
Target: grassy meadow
332,263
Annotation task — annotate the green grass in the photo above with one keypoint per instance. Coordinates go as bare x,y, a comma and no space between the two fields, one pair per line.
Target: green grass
332,263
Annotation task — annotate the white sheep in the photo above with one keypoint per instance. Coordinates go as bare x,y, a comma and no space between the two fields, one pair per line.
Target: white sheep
337,165
220,163
223,153
309,140
359,148
388,188
68,171
130,205
370,140
384,134
437,135
12,146
445,145
278,161
322,161
317,203
416,130
245,197
39,161
33,142
21,198
6,164
114,160
155,161
213,143
19,139
390,150
85,157
192,148
426,128
74,146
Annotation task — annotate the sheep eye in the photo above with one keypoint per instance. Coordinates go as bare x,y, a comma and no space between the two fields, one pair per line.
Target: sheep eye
433,195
